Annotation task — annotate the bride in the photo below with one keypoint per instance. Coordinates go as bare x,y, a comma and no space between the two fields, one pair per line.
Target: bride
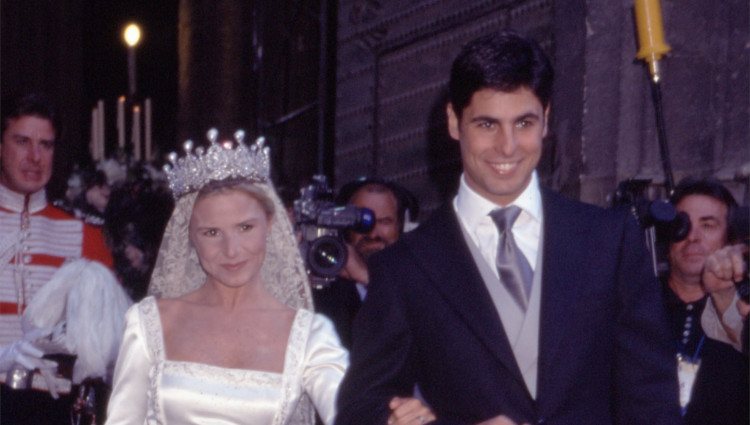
228,335
231,337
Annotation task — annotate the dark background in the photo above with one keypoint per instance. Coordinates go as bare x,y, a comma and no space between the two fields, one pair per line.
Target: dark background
105,58
354,87
73,51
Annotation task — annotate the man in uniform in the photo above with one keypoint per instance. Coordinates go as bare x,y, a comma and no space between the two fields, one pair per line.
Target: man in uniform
36,238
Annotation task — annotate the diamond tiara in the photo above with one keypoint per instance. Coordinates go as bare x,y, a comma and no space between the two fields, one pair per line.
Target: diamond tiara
220,161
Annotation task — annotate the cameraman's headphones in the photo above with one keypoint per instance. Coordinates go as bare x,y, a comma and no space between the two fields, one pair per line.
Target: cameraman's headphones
406,200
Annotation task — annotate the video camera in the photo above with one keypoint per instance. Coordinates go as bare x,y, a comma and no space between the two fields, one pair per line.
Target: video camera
322,223
671,225
661,221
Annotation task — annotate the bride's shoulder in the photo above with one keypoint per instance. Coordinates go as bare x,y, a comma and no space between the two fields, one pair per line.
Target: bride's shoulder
144,307
183,302
172,309
166,303
318,321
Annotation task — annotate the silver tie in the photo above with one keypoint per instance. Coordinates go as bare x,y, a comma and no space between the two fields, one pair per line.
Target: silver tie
512,267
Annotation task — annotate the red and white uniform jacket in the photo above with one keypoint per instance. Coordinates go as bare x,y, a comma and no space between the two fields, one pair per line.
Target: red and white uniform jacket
36,238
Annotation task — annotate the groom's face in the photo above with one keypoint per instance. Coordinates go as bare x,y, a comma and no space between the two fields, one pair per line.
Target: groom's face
500,135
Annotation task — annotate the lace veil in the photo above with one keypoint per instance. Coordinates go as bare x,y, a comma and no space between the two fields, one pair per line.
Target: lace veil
177,270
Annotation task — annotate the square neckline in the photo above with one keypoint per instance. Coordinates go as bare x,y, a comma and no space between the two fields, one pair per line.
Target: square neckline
295,328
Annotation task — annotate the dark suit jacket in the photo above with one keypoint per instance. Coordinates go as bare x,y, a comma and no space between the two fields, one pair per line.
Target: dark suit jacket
339,302
604,346
721,391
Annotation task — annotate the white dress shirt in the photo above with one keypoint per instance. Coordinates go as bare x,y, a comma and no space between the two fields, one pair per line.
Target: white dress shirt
473,211
520,326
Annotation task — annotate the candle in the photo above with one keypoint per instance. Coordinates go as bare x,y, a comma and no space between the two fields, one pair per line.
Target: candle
121,122
100,127
136,132
650,33
94,134
147,128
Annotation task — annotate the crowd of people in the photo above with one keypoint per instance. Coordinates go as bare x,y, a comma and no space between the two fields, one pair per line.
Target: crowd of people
130,202
180,296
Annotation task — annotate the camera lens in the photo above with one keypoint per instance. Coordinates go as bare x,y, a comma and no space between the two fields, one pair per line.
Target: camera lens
365,220
327,256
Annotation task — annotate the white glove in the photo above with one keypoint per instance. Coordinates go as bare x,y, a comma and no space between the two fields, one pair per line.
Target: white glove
24,353
49,340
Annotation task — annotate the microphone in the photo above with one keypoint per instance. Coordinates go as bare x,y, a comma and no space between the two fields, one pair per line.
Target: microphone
650,35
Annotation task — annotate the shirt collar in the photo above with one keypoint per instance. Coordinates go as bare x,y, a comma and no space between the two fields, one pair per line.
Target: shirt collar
473,207
13,201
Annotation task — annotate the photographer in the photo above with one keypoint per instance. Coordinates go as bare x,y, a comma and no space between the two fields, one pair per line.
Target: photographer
713,376
390,202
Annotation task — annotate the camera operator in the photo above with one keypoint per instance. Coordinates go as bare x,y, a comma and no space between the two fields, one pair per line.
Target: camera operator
390,202
713,376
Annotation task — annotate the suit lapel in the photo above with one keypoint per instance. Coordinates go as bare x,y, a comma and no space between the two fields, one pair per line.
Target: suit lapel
446,259
560,289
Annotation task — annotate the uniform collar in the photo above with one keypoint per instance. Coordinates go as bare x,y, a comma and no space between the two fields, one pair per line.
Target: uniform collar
14,201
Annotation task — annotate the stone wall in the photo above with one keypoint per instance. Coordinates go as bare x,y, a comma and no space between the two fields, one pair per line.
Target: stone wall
393,62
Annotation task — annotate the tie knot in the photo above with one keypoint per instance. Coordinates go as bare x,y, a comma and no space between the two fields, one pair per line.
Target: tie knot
505,217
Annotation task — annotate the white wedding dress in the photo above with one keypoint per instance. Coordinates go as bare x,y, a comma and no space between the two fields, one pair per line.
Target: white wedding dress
150,389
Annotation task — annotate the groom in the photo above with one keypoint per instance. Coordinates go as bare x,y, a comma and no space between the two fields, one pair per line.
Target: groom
512,304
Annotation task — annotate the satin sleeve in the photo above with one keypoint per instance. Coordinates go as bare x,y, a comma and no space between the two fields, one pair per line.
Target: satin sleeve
326,360
129,400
